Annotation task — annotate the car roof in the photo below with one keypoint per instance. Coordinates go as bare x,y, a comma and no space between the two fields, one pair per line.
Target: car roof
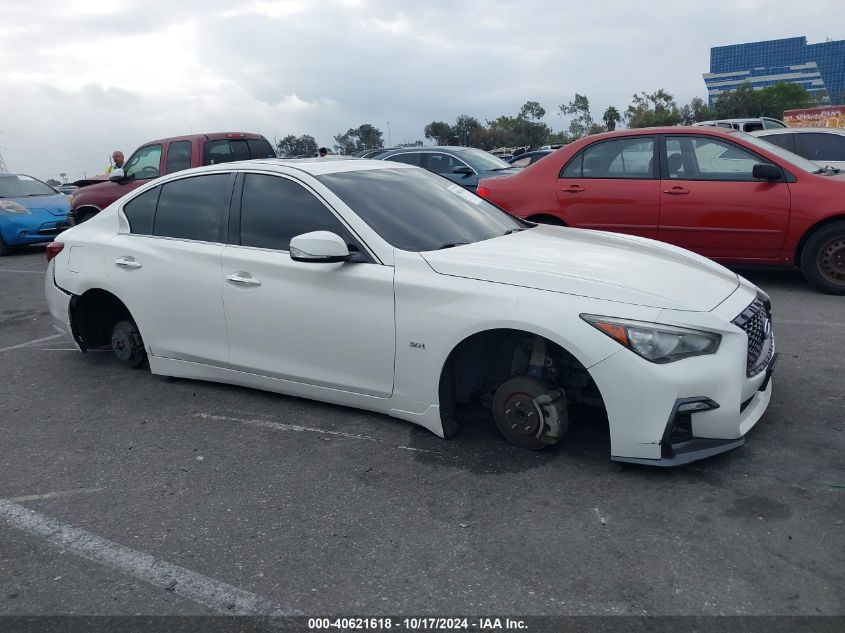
211,136
799,130
319,166
432,148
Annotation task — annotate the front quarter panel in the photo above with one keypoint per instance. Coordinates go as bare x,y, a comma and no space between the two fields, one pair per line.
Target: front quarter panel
435,312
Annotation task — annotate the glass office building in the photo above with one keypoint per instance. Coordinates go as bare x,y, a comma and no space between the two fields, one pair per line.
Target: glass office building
820,68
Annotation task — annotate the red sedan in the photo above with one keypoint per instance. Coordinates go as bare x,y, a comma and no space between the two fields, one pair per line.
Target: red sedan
726,195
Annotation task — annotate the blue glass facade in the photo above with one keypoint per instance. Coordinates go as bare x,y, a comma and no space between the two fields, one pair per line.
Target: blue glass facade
820,68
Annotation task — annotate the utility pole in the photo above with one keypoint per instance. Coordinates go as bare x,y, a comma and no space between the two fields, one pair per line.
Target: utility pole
389,142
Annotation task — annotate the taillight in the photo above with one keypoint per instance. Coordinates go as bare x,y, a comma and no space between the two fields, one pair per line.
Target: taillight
484,192
53,249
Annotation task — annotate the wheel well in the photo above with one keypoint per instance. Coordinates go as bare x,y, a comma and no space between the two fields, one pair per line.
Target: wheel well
809,232
93,316
480,363
545,218
87,209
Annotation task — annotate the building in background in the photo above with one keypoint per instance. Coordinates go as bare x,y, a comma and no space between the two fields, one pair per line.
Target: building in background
820,68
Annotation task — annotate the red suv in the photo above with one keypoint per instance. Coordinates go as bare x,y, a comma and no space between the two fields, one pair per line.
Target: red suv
165,156
726,195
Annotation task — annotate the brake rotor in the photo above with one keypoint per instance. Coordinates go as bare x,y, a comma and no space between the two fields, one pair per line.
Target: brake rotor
517,414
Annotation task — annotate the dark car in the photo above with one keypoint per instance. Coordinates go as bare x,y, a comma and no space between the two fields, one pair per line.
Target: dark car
372,153
528,158
463,165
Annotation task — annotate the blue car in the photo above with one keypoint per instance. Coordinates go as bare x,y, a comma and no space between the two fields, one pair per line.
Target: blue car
462,165
30,211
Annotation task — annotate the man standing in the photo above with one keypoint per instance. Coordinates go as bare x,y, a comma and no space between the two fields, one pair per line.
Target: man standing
117,161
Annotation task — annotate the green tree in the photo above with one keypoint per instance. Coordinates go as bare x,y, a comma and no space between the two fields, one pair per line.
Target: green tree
739,103
771,101
438,131
291,145
465,126
579,110
611,117
647,110
532,110
695,111
774,100
365,136
52,182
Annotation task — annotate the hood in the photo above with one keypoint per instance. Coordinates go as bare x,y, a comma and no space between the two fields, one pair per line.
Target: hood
57,204
593,264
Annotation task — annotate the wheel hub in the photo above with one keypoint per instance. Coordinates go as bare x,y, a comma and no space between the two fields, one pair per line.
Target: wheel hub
521,414
832,260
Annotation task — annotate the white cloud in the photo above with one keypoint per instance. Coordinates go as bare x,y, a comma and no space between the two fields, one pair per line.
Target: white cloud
82,78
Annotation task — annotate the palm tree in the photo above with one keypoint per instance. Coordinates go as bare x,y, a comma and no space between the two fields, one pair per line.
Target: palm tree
611,117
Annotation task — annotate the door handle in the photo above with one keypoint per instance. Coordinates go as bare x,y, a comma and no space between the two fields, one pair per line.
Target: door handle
127,262
573,189
676,191
242,279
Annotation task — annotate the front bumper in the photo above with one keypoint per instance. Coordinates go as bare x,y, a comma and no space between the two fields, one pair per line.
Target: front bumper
643,400
32,228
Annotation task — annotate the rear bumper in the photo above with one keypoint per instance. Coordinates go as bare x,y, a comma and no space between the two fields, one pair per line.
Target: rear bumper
58,302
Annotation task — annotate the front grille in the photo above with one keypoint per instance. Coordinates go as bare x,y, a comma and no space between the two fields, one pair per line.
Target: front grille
756,321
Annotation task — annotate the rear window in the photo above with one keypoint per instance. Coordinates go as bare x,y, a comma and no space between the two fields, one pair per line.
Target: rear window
228,150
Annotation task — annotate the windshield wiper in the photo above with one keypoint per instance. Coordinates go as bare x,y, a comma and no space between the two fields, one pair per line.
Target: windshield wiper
450,245
827,169
511,231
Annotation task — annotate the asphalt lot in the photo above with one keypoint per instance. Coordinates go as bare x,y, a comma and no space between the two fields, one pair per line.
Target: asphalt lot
115,482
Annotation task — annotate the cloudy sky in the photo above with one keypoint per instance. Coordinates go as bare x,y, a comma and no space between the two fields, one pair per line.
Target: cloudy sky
81,78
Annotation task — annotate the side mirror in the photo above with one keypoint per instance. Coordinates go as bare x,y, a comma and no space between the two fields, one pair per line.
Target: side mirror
764,171
318,247
116,175
462,169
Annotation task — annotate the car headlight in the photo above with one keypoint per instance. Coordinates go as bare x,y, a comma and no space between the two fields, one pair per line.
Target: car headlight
10,206
656,342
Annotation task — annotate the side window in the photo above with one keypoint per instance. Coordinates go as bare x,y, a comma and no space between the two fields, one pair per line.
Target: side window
621,158
822,147
442,163
275,209
412,158
145,163
717,160
141,210
193,208
225,151
574,167
178,156
786,141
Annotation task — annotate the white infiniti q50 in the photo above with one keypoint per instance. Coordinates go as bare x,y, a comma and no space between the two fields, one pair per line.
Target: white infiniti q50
385,287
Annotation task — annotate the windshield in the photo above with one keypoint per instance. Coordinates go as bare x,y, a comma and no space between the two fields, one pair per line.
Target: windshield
481,160
20,186
415,210
785,154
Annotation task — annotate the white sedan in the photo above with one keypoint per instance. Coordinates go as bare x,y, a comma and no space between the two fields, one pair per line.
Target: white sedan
386,287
